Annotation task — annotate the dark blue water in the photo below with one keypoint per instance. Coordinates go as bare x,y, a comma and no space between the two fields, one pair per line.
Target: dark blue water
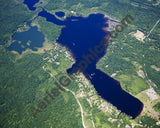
86,39
34,38
60,14
110,90
30,4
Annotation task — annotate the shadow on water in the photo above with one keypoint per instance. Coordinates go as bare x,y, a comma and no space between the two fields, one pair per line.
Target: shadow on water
86,39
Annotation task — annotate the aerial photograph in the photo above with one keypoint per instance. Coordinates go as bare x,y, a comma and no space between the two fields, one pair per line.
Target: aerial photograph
79,63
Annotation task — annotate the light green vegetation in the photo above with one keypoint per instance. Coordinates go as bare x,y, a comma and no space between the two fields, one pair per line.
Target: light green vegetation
132,84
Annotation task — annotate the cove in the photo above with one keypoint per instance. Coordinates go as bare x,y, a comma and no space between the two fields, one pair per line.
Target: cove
80,35
30,4
31,39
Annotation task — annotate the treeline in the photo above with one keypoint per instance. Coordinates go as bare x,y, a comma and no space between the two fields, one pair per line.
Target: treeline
13,15
50,30
23,84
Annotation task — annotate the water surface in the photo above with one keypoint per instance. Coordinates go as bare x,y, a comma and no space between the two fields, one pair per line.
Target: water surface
86,39
31,39
30,4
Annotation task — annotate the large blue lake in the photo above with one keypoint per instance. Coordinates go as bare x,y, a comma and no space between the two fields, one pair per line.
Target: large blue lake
86,38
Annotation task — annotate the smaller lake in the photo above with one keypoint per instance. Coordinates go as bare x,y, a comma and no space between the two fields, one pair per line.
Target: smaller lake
31,39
